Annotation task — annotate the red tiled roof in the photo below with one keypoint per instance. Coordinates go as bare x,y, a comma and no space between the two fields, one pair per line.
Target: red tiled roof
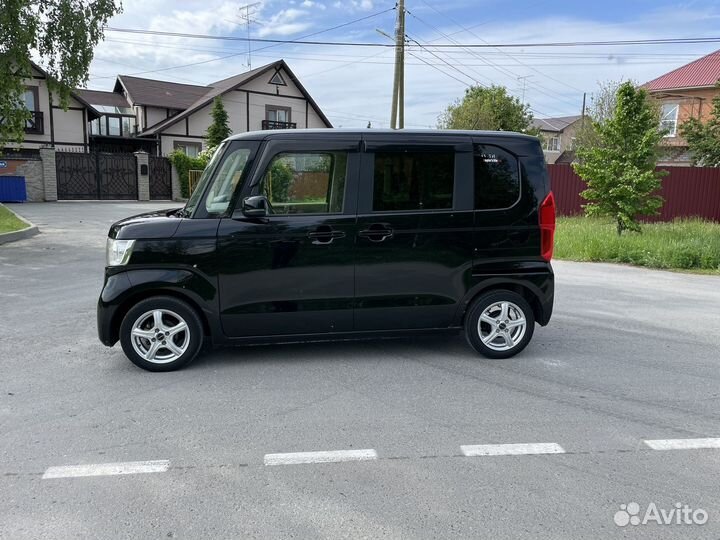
704,71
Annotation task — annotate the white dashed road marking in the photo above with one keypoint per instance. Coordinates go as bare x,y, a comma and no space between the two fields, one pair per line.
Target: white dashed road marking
683,444
107,469
332,456
511,449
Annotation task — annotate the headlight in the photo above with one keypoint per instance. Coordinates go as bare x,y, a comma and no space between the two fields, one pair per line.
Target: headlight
119,251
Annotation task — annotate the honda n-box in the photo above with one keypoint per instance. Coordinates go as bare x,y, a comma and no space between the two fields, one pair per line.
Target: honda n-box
311,235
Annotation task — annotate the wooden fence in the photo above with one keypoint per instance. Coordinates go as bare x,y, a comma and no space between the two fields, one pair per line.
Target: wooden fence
688,192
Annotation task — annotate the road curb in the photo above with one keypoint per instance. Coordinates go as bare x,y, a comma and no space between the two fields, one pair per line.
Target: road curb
13,236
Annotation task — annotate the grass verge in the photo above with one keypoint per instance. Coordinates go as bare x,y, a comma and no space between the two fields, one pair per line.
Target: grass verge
690,245
9,222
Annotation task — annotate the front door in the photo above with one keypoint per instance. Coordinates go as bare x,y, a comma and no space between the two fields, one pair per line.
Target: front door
292,273
415,221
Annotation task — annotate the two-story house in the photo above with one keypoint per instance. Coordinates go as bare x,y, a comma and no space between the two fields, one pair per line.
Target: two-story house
686,92
49,123
558,136
159,116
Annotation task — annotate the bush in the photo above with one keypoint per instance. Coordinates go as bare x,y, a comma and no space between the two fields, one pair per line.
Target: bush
184,163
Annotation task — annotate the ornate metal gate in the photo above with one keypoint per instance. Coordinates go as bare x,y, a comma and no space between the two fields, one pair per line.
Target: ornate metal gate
96,176
160,178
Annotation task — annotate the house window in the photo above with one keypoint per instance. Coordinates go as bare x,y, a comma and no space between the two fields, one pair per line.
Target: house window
114,126
31,101
189,148
552,144
277,114
30,98
669,118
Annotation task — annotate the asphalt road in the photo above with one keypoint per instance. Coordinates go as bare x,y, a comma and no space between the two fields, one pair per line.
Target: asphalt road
630,355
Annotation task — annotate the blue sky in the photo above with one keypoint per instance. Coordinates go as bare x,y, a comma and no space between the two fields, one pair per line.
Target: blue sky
353,84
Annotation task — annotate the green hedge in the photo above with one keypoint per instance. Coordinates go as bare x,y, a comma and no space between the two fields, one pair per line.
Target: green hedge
183,164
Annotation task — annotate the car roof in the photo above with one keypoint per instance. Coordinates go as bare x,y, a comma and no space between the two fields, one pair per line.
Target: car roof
384,133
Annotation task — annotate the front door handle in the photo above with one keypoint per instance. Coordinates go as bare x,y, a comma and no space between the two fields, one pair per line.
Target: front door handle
377,232
324,235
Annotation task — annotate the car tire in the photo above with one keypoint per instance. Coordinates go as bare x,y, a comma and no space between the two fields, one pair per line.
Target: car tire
499,324
161,333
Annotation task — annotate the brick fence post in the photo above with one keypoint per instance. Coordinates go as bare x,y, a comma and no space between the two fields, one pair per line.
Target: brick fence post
143,174
49,170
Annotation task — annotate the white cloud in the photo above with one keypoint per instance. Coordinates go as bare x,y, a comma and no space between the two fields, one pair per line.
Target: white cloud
352,90
285,23
311,4
355,5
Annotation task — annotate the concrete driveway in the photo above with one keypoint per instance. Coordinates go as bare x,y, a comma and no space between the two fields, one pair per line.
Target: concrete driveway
630,356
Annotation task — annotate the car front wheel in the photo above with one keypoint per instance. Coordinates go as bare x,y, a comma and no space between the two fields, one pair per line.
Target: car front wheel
161,333
499,324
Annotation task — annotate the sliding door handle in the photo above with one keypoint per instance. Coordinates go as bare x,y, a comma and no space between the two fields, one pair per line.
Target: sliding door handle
377,232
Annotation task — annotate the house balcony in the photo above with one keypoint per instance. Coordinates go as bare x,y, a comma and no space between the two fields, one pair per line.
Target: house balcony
272,124
34,125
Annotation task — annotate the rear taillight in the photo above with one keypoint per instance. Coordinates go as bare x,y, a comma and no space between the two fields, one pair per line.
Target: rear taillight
547,227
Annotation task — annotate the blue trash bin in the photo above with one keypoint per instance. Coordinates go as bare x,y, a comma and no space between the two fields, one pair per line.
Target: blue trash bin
12,189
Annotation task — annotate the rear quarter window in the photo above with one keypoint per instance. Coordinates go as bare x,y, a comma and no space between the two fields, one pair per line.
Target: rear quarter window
497,178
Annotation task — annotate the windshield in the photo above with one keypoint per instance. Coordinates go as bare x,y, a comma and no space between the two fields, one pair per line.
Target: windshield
200,188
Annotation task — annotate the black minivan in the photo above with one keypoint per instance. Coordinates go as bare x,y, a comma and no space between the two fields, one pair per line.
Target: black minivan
308,235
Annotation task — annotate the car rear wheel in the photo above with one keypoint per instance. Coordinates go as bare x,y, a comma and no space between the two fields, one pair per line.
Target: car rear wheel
161,333
499,324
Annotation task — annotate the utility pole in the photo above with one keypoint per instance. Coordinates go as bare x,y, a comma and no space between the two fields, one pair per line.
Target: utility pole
248,20
524,79
582,120
397,110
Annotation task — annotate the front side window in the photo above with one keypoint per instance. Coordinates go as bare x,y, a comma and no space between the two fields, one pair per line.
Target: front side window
669,118
306,182
497,178
413,181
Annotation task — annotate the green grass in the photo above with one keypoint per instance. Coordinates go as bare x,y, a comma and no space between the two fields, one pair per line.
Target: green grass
690,245
9,221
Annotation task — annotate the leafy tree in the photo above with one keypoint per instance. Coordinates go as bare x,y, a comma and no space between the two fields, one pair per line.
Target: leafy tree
620,169
488,108
219,129
62,35
704,139
600,109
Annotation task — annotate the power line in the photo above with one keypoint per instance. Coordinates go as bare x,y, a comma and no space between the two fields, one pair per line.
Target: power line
231,38
499,50
657,41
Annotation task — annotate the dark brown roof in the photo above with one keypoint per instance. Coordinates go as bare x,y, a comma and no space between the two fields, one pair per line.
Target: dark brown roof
159,93
99,97
225,85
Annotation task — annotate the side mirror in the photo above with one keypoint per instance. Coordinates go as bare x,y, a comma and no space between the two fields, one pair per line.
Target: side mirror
256,207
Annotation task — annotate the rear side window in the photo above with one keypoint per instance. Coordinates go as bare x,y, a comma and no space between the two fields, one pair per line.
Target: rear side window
413,181
497,178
